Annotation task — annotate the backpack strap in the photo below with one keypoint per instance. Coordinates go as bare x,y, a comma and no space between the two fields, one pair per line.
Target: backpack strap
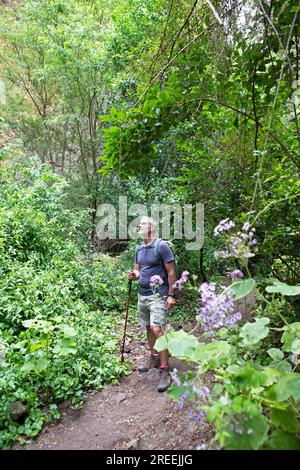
155,246
156,250
138,248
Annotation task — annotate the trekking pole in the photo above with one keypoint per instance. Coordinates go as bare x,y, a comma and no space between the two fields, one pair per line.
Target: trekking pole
126,317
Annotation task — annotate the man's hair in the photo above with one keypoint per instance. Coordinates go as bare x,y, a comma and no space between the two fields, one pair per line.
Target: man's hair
151,220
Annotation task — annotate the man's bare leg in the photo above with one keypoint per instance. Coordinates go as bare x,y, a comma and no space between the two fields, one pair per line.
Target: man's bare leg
153,360
154,333
164,374
151,340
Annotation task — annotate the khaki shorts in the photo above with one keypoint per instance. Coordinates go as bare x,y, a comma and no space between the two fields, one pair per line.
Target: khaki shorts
152,310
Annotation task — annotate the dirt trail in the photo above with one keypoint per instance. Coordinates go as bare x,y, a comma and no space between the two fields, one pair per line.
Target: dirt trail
130,415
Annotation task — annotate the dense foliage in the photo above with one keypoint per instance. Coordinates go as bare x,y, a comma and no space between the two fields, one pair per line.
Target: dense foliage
56,336
253,400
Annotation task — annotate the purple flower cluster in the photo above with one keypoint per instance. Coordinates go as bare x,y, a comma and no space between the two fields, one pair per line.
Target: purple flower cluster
217,309
240,244
182,280
202,393
223,225
201,390
182,398
155,281
198,416
236,273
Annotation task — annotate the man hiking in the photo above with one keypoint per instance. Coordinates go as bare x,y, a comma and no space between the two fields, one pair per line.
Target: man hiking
154,257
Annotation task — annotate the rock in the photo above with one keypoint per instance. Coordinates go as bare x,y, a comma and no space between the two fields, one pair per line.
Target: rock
18,411
120,397
134,444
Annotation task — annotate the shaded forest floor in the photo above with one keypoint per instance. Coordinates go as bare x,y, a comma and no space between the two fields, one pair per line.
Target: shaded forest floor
130,415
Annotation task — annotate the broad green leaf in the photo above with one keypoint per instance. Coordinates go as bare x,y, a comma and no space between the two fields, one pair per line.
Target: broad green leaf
38,345
247,436
161,343
242,288
68,331
175,391
286,419
28,366
291,338
236,404
281,366
65,347
276,354
248,377
40,364
231,389
179,343
217,390
217,348
294,388
282,288
281,440
210,355
251,333
295,346
288,386
271,375
35,365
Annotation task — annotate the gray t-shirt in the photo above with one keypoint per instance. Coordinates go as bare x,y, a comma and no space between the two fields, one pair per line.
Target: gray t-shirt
151,263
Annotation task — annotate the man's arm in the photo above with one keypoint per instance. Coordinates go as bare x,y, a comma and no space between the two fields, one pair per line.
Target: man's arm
169,265
135,273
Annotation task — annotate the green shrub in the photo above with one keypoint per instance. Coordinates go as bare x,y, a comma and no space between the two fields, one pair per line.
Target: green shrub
57,307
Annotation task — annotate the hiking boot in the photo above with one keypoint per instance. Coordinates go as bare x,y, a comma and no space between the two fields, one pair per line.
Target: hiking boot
164,379
151,361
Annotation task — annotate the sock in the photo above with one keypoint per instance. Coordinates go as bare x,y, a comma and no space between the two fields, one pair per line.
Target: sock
164,366
154,354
